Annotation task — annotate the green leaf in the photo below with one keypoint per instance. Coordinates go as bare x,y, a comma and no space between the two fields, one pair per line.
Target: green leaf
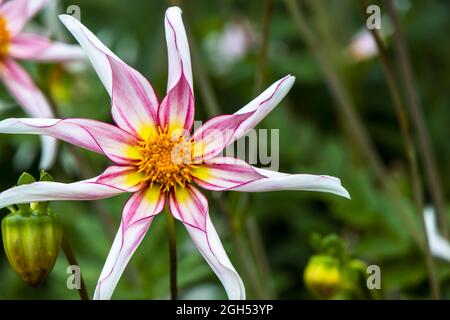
12,208
42,207
45,176
315,242
333,246
25,178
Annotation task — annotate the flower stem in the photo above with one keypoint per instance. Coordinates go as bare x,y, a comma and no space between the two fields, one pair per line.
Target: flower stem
212,108
209,98
245,256
261,72
72,260
172,256
252,228
353,122
409,150
262,261
425,149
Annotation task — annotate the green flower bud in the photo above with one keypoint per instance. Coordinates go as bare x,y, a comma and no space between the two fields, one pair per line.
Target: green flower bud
31,244
322,276
31,237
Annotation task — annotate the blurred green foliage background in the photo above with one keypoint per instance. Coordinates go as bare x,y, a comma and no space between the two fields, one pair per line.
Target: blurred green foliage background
266,234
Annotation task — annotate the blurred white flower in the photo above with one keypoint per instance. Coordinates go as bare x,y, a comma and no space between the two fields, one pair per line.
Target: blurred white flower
362,46
231,44
439,246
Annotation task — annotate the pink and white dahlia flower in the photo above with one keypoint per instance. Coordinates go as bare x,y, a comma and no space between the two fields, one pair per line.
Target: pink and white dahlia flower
156,159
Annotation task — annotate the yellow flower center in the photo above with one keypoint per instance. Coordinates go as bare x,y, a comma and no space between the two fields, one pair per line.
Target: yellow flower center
166,161
5,36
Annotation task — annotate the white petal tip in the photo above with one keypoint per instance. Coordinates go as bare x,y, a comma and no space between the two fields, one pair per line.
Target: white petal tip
64,17
339,190
287,81
290,78
69,21
344,193
336,187
174,9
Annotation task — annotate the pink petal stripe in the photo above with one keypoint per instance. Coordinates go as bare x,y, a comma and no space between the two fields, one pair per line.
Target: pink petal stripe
18,12
38,48
93,135
263,104
122,177
96,51
177,49
176,111
276,181
211,138
143,204
210,247
137,216
221,131
189,205
134,103
53,191
224,173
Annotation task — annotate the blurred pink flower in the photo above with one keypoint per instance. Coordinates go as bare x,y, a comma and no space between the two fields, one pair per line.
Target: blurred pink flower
15,44
148,146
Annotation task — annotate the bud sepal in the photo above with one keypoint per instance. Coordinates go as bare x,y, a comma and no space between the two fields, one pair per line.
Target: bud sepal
32,237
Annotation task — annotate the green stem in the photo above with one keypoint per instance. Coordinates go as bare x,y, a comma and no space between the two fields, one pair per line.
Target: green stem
409,150
212,108
209,98
261,258
245,257
71,259
261,72
251,226
172,255
353,123
425,149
